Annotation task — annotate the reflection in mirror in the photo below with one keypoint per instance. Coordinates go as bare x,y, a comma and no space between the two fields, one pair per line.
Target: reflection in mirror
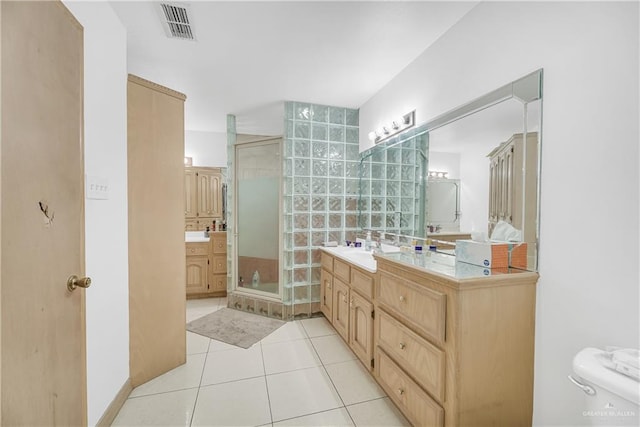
258,175
481,148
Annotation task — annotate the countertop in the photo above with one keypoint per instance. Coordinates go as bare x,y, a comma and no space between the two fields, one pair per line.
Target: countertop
443,264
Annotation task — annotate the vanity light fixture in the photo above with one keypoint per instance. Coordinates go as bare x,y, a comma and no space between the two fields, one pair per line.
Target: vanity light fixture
396,126
438,174
188,161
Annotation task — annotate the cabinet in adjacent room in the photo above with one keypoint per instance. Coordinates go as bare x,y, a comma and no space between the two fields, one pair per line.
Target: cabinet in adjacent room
206,266
202,197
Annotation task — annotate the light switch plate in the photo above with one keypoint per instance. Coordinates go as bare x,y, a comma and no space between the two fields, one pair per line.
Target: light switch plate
97,187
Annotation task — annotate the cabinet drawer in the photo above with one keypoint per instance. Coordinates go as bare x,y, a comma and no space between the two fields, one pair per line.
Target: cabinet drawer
219,264
414,402
422,307
362,282
342,270
218,283
219,243
197,249
421,359
327,262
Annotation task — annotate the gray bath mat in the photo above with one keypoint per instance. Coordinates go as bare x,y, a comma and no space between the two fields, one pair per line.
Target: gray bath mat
234,327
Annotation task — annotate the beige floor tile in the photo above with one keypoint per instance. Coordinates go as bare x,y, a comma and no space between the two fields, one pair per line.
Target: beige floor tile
353,382
289,356
302,392
232,365
335,418
290,331
332,349
317,327
238,403
182,377
197,343
379,412
165,409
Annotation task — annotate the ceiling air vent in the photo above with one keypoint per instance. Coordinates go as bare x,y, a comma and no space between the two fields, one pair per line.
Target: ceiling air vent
176,22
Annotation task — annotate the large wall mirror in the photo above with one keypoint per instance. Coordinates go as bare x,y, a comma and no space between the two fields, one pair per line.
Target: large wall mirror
474,169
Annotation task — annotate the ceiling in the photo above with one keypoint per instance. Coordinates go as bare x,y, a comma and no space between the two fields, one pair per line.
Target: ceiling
249,57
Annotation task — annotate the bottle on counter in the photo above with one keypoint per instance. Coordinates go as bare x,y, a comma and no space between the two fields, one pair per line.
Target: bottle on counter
206,232
256,279
367,242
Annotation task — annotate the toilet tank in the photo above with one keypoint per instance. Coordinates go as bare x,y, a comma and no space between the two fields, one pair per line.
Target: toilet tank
611,398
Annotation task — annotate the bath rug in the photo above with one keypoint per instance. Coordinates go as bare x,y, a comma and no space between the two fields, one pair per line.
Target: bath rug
234,327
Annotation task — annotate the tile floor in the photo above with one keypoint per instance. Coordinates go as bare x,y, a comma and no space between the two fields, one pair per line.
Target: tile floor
303,374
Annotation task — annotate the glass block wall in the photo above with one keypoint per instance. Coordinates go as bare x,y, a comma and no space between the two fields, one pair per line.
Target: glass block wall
321,190
231,153
393,186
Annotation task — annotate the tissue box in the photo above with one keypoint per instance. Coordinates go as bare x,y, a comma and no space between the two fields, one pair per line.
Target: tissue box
484,254
492,254
518,255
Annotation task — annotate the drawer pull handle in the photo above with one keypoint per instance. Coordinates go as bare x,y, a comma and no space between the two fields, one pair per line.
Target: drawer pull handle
402,298
402,346
193,250
400,391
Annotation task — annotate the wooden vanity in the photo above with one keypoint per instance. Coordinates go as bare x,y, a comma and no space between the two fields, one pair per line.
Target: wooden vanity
451,345
206,267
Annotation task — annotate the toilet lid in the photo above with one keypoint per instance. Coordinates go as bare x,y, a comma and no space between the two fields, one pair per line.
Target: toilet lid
587,365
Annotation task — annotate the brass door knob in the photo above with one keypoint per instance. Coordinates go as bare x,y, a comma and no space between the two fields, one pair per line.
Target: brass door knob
74,282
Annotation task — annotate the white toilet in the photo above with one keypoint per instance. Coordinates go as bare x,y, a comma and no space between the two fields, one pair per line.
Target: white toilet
611,398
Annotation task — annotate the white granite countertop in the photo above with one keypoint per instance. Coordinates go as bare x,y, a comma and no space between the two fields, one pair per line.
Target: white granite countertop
195,237
358,256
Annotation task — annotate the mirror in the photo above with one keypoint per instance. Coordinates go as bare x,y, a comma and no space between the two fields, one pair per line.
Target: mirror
492,172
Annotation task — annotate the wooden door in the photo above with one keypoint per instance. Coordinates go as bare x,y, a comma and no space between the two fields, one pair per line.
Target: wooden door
155,168
42,216
190,193
209,194
197,272
326,296
361,328
341,308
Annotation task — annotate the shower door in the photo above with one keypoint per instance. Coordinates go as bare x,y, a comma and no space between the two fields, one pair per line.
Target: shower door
258,175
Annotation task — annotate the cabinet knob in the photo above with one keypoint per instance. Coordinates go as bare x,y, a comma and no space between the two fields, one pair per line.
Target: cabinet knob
402,298
351,303
400,391
192,250
344,300
402,346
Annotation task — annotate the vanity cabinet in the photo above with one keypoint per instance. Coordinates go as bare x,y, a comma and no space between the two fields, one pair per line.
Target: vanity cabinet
346,300
206,266
455,351
202,197
513,171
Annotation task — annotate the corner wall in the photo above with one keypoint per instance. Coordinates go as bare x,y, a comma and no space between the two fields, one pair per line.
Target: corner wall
208,149
587,295
106,248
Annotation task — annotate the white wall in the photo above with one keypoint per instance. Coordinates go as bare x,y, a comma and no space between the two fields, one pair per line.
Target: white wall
106,247
206,148
588,287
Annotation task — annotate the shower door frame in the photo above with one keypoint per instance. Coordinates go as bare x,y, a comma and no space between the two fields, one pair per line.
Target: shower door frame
236,234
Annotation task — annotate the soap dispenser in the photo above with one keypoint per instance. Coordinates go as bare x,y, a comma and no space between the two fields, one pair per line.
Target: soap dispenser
367,242
256,279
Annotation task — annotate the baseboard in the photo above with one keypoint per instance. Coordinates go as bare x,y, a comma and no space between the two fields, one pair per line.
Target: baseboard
116,404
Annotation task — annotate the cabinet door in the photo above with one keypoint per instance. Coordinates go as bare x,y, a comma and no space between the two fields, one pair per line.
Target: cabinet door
219,264
361,328
191,225
209,194
219,242
326,294
218,283
340,313
197,274
190,193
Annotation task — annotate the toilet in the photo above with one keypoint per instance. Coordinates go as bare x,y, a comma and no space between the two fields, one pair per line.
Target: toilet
611,398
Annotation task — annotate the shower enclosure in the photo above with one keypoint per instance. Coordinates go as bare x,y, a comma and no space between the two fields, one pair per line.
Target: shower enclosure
258,175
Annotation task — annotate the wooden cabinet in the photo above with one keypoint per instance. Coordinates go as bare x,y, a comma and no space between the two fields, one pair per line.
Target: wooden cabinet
346,300
513,171
202,197
455,352
207,267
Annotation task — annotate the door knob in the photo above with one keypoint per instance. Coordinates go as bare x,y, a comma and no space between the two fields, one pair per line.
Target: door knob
74,282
